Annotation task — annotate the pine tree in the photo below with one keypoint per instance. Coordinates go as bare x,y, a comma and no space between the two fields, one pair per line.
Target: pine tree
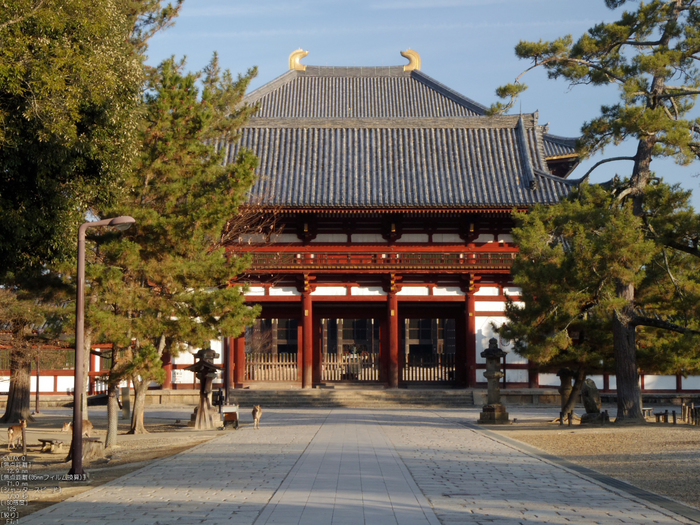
650,55
70,77
164,284
572,257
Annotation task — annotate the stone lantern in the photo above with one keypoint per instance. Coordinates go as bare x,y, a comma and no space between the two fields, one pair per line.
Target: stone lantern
493,412
206,372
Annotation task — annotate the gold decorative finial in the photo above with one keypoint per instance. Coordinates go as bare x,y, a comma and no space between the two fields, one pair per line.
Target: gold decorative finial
294,59
413,60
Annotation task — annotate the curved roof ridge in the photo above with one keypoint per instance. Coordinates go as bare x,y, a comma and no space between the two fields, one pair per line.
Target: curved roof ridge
564,141
449,92
276,83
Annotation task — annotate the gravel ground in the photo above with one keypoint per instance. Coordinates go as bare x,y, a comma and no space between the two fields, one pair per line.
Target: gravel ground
660,458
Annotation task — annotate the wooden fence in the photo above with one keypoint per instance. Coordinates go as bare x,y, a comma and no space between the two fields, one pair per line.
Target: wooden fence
271,367
433,368
338,367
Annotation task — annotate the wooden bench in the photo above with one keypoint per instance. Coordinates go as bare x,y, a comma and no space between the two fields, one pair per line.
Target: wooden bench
50,445
647,412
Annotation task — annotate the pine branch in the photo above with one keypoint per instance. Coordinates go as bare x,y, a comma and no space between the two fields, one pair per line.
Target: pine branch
658,322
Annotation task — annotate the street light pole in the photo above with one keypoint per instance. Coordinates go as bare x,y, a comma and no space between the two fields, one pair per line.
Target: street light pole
121,223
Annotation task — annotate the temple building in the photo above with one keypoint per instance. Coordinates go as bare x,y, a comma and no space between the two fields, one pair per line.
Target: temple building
390,259
388,262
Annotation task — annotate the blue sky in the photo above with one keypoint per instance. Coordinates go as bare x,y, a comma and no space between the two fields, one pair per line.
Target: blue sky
464,44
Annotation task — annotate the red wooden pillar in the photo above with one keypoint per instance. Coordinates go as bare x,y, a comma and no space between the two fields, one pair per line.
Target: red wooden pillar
238,361
168,367
317,350
92,367
393,322
300,350
307,341
384,350
461,350
533,378
471,341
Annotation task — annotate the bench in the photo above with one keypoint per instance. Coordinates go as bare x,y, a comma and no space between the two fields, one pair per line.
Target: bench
647,412
50,445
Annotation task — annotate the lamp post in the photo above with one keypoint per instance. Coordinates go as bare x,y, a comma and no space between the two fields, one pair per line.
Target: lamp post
121,223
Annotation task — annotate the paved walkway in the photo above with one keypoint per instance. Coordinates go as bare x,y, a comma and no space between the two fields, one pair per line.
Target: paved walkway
353,466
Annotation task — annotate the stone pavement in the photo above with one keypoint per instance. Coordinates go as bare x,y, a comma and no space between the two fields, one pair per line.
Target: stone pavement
356,466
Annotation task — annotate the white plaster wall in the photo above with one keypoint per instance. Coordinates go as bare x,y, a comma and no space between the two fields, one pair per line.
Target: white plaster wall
484,237
4,384
285,238
511,356
691,383
283,291
489,306
487,290
367,290
330,290
654,382
182,376
512,376
184,358
45,384
484,332
414,290
453,238
256,290
598,380
516,376
512,290
218,346
367,237
254,238
413,237
65,384
331,237
548,380
505,237
443,291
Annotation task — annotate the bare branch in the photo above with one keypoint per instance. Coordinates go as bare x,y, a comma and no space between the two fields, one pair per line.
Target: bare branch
604,161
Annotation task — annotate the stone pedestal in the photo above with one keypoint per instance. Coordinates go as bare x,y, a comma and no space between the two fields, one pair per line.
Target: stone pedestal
493,412
493,415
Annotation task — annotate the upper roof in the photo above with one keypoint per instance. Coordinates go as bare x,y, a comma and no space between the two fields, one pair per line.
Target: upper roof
360,92
386,137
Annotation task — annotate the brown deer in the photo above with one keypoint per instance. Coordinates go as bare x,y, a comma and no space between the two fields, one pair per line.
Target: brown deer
257,412
87,427
14,434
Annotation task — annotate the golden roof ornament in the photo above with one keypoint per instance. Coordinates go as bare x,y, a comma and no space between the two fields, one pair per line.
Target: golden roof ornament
413,60
294,59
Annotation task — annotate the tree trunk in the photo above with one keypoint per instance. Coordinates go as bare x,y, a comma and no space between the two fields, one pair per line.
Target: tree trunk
19,395
629,395
140,389
575,392
86,371
112,403
112,416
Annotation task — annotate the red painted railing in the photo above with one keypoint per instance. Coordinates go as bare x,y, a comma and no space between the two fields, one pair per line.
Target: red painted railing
380,261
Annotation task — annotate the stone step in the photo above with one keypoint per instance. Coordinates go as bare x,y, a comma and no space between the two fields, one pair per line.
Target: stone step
353,398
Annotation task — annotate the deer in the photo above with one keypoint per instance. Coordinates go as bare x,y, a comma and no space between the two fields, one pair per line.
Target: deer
14,434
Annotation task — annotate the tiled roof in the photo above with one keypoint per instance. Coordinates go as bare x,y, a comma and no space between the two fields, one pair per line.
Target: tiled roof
359,92
555,146
333,137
